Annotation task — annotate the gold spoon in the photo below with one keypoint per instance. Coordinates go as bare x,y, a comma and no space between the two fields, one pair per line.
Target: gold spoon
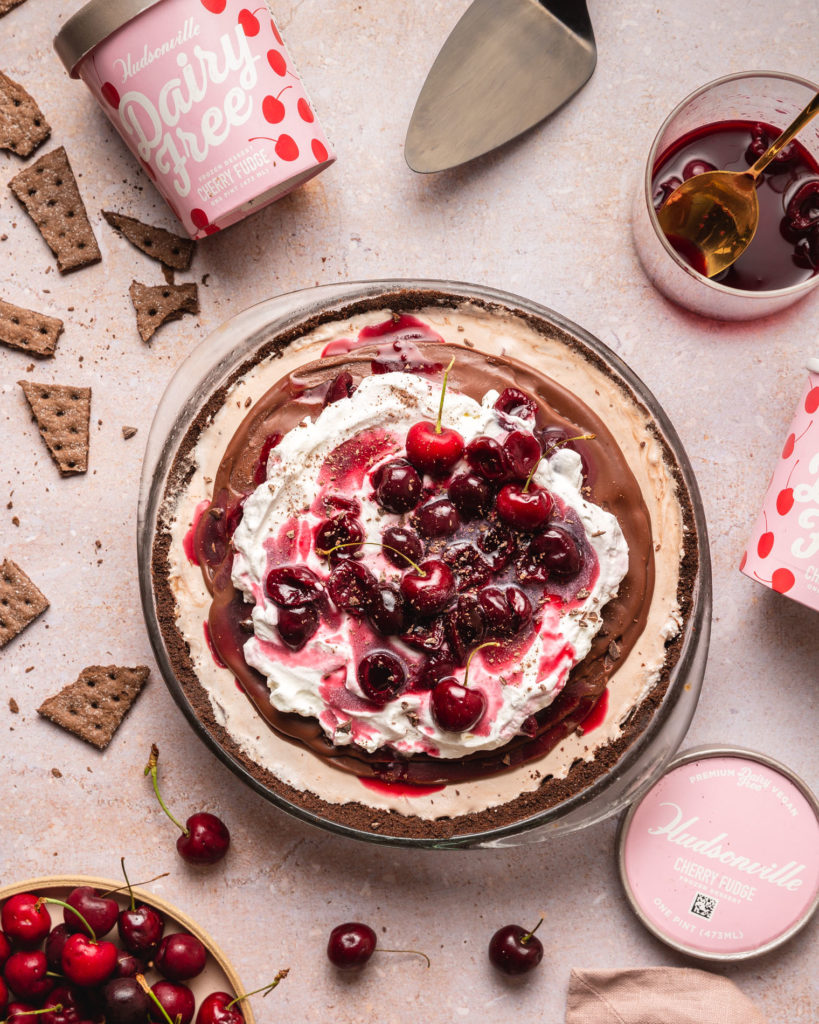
711,218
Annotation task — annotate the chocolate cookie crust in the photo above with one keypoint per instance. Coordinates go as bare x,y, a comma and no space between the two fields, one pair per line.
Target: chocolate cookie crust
196,703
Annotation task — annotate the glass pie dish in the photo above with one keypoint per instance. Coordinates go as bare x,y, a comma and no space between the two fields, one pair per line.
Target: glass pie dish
224,357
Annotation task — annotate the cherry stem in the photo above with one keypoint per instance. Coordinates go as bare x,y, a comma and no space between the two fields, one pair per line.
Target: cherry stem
146,988
552,448
267,989
112,892
443,394
480,647
375,544
30,1013
67,906
413,952
151,769
525,938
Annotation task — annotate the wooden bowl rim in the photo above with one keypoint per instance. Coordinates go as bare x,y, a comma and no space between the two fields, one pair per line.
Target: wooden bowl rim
106,885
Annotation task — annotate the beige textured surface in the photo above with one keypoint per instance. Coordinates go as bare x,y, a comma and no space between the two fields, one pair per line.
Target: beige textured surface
505,221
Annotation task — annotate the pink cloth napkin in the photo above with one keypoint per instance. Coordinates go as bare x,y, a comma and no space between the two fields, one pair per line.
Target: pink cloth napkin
657,995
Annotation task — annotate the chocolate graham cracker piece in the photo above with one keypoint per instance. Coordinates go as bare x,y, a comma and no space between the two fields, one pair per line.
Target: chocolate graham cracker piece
32,332
94,706
22,124
155,305
48,191
20,601
62,413
8,5
172,250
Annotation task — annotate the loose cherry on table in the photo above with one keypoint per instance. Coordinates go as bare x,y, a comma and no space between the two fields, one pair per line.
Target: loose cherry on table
223,1008
454,706
205,838
432,448
351,945
514,950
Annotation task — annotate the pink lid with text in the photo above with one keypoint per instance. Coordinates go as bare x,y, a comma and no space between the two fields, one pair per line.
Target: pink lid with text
721,858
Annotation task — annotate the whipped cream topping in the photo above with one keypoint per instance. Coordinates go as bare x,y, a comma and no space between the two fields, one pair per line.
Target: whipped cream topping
320,680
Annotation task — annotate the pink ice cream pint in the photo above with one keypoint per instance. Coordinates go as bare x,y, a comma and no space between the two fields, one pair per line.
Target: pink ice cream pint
206,96
784,549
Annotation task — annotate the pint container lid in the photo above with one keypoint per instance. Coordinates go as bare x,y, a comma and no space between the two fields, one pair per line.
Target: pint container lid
92,23
720,859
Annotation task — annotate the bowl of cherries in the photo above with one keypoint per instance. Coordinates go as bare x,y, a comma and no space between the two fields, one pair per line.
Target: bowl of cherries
76,950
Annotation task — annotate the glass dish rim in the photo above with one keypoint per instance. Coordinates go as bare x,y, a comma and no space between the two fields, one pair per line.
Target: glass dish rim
772,293
295,307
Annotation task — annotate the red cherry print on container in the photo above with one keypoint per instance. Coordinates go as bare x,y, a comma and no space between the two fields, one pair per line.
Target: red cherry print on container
790,441
273,109
110,95
319,150
782,580
277,62
305,113
214,6
275,32
784,500
249,21
200,218
812,400
205,838
743,560
286,148
766,541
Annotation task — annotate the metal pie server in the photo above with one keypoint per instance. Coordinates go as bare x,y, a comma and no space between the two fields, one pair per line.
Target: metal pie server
506,65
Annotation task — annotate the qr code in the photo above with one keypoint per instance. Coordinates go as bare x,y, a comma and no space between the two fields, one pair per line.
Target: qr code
704,906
